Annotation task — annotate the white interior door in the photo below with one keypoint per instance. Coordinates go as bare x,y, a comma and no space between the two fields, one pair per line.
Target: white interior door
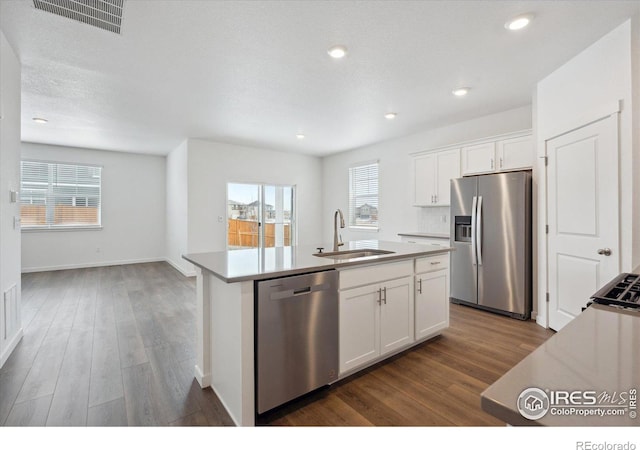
582,208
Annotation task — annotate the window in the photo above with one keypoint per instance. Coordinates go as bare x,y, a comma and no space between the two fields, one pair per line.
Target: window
56,195
363,196
260,215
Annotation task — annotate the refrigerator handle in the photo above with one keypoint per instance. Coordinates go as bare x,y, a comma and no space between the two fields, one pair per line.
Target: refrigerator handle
479,230
473,230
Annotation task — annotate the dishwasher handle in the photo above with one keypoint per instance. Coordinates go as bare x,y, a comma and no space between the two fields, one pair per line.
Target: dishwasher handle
299,291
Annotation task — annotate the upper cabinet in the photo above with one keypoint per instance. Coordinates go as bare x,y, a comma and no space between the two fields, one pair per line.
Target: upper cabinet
432,173
498,155
479,158
515,153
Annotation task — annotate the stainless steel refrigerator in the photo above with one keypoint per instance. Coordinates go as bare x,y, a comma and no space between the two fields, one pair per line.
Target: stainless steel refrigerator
491,234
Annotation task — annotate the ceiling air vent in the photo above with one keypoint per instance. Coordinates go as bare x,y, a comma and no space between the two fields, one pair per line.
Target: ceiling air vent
105,14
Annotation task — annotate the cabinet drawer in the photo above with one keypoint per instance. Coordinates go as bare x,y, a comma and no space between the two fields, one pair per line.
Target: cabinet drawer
431,263
375,273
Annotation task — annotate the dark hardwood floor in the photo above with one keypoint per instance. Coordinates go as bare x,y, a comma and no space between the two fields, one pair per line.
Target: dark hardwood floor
107,346
114,346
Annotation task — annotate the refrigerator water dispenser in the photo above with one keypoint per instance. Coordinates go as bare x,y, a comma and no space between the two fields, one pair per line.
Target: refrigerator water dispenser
462,228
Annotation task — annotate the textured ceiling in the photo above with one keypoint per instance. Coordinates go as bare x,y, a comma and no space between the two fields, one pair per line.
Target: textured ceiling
257,72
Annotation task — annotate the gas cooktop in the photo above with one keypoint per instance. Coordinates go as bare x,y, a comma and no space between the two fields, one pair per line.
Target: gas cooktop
622,291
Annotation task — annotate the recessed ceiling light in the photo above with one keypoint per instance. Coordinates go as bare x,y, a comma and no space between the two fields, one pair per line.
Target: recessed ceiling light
460,92
300,136
337,51
40,120
390,115
519,22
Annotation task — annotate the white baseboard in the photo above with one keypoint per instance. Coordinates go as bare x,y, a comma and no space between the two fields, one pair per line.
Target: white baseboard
88,265
110,263
203,380
11,345
188,274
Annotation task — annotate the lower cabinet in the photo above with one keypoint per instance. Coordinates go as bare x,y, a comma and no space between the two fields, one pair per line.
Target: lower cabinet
385,308
431,303
375,319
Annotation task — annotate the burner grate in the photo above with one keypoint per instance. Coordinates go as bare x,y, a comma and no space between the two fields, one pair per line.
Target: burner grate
623,290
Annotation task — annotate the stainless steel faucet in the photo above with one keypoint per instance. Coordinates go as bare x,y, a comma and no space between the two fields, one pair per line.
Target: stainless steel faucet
337,240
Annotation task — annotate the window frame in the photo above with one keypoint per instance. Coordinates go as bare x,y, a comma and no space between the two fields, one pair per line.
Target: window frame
48,201
352,197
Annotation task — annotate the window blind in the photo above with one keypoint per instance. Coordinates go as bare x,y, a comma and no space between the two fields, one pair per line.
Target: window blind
363,196
57,195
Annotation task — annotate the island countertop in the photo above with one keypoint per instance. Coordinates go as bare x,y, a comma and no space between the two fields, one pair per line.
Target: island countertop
595,355
258,264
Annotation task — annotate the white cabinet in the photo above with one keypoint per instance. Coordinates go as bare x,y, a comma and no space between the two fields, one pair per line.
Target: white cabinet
377,318
359,326
396,314
431,296
515,153
432,173
498,155
479,158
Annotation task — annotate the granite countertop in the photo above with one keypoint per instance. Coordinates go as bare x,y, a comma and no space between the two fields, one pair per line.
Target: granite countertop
426,234
257,264
596,353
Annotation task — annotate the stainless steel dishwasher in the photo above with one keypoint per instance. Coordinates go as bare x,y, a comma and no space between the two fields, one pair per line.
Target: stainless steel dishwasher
296,336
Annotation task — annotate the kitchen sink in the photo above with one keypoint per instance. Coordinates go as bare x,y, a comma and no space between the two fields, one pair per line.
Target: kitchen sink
351,254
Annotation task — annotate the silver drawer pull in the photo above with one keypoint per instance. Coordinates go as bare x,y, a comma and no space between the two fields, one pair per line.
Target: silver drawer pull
435,263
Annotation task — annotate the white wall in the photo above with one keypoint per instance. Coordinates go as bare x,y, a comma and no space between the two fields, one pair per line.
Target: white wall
396,213
177,210
578,92
133,213
10,324
211,165
635,92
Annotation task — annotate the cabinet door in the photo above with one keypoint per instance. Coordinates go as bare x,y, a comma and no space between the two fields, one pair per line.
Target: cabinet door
432,303
515,153
447,167
478,158
359,326
396,314
424,180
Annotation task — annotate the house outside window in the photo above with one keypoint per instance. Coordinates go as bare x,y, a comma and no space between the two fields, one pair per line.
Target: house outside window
363,196
59,195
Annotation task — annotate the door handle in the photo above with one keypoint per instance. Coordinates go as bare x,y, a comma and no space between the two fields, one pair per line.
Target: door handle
384,289
604,251
474,206
380,296
419,285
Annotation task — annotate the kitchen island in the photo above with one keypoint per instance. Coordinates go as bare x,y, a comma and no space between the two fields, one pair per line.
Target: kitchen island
588,374
418,275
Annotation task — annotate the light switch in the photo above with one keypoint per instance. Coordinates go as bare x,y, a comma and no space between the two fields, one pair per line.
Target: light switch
16,223
13,196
